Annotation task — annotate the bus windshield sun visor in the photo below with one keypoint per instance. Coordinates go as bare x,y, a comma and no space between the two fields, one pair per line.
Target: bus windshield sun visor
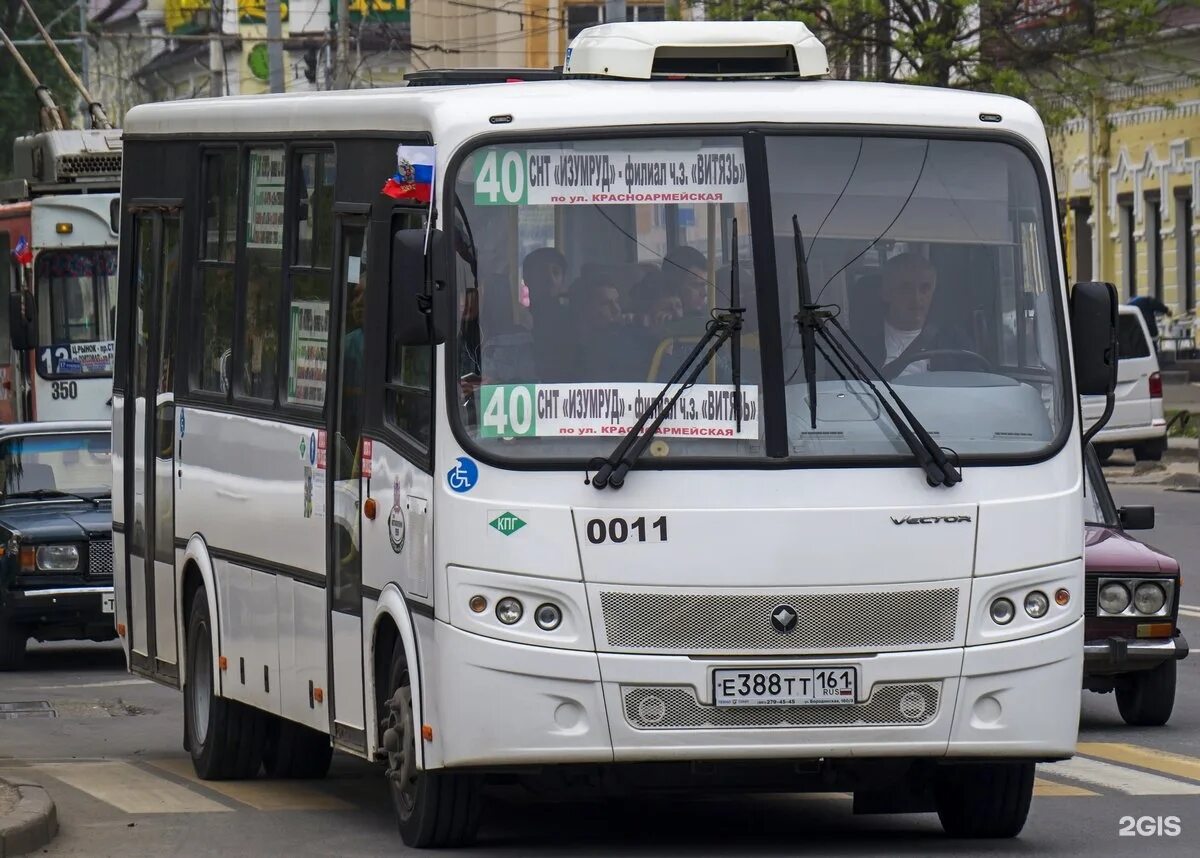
814,321
726,324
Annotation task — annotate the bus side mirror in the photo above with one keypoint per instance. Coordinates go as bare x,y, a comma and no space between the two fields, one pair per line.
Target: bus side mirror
1094,337
420,291
22,320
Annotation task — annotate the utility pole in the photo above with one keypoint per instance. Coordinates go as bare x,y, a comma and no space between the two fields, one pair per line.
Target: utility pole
342,78
216,51
83,49
274,46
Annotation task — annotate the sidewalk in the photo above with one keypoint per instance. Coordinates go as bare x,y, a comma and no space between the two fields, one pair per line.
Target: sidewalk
28,819
1179,468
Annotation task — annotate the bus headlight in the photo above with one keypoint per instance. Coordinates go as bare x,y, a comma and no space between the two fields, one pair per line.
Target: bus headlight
1036,604
1003,612
1113,598
1149,598
509,611
57,558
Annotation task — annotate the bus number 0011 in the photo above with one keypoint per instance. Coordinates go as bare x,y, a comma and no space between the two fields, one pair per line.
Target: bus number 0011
619,530
64,390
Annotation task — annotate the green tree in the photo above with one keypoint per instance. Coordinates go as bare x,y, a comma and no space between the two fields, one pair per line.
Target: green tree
19,113
1055,53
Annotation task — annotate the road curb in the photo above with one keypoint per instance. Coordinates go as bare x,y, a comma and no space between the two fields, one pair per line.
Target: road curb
31,824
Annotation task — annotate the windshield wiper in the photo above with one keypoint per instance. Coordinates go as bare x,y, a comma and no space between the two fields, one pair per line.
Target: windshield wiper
806,319
43,494
725,325
813,320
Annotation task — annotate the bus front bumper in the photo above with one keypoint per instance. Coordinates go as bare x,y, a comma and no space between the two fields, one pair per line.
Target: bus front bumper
495,703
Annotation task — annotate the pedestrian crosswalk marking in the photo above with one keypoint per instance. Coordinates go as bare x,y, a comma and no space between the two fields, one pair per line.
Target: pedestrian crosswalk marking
1118,778
261,794
131,789
1052,789
1146,758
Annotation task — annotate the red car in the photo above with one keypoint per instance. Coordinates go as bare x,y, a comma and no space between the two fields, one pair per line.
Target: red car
1131,604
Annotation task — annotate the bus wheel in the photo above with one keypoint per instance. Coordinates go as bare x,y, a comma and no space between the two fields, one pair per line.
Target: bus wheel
12,647
1146,698
295,751
979,800
434,809
226,738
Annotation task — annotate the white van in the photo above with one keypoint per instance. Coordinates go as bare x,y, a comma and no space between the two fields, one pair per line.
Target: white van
1137,422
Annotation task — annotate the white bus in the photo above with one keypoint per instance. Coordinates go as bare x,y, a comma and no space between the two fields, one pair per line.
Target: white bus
58,227
399,470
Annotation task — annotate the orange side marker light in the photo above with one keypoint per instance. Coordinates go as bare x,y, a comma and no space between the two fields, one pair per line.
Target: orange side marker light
427,732
319,695
223,663
120,629
369,508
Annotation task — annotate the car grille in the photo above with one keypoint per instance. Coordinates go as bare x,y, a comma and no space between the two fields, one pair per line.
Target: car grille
741,622
100,558
675,708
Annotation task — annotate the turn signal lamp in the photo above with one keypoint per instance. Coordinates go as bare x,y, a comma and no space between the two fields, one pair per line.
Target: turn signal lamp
369,508
1155,630
478,604
28,558
64,228
1062,597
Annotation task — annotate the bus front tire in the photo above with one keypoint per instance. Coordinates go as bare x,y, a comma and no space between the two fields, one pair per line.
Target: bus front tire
434,809
296,751
984,800
226,738
1146,698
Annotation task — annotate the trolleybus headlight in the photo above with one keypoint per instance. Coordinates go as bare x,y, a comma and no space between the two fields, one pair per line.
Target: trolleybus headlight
1149,598
1003,612
1113,598
548,617
57,558
1036,604
509,610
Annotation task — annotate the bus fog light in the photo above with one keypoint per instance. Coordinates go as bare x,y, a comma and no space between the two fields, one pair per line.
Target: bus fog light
509,610
1149,598
1003,612
548,617
1036,604
1113,598
478,604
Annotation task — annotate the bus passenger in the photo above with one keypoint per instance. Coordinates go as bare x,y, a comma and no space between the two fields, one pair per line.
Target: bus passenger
544,271
609,349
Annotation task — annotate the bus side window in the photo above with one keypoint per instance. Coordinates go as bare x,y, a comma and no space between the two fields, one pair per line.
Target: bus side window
409,405
312,176
215,312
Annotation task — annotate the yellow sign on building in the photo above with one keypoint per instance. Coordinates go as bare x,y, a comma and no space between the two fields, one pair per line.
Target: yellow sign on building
181,14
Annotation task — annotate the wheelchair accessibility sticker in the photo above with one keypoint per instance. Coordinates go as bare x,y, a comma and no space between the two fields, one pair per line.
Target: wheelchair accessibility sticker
463,476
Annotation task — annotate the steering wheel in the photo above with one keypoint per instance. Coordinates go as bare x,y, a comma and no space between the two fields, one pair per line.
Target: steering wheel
895,367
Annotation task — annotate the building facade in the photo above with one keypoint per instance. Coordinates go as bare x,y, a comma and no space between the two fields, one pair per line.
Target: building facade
1129,175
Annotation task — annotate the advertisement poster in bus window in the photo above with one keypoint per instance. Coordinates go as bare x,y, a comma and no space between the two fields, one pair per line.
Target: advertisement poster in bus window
308,358
266,199
620,173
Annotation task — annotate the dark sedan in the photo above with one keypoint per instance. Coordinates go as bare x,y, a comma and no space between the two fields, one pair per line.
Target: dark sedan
1131,605
56,553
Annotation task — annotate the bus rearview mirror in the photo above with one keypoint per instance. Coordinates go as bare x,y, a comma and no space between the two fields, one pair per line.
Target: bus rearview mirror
419,288
1094,337
22,320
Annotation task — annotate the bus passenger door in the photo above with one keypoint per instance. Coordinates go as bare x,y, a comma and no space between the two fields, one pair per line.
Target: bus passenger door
344,485
150,448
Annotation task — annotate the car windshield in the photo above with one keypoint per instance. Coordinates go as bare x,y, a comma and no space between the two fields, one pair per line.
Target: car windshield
76,463
587,270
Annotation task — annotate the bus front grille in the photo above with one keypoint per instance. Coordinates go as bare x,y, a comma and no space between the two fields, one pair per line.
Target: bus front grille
676,708
741,622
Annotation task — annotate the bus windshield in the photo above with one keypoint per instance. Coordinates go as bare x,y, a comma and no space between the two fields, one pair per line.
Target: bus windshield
81,290
587,270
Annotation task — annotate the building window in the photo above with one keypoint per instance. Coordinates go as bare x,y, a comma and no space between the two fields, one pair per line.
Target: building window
1154,255
583,15
1129,248
1185,251
218,239
1082,235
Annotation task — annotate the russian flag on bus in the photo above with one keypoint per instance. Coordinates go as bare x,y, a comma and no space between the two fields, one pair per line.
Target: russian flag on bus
23,253
414,174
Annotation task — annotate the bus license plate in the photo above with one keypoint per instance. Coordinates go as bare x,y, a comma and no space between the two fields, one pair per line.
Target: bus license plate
108,603
807,686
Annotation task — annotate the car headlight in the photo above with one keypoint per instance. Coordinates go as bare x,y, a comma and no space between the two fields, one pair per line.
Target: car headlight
57,558
1149,597
1113,598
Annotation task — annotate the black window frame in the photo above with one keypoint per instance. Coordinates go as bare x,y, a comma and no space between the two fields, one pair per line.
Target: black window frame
1154,250
1185,249
196,283
1127,231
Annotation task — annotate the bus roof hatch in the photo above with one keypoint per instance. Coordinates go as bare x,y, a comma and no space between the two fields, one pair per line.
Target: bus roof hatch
697,49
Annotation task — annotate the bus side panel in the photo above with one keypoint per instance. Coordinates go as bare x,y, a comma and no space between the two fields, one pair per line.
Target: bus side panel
249,634
303,661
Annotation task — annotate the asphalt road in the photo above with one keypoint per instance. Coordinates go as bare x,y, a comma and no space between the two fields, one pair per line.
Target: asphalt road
112,759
